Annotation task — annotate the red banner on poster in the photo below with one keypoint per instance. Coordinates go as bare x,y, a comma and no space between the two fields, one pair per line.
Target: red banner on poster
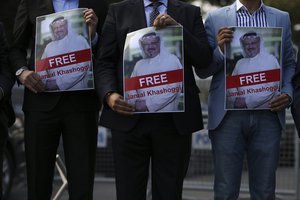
151,80
253,78
63,60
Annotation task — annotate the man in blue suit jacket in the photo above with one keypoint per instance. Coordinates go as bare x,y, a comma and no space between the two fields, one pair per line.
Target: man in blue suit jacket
238,132
296,102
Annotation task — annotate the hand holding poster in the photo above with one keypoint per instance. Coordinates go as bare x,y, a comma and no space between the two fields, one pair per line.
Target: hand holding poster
153,70
252,68
63,53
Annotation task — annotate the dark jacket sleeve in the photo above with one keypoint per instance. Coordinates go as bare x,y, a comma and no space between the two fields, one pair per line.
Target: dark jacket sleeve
296,78
7,79
197,48
101,12
108,56
21,38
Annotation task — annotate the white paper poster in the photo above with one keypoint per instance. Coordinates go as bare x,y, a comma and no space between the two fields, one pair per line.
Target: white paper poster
253,68
63,58
153,70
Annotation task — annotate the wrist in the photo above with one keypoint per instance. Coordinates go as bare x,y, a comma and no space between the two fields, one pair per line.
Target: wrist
106,97
20,71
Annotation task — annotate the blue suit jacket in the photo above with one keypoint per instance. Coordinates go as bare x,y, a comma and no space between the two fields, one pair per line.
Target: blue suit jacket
225,17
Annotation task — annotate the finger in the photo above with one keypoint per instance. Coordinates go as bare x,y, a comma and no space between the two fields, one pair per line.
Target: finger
39,86
29,82
225,36
278,107
224,29
87,11
159,19
162,20
36,77
282,103
90,13
279,104
92,21
34,81
124,105
122,109
281,98
224,40
165,20
30,87
89,16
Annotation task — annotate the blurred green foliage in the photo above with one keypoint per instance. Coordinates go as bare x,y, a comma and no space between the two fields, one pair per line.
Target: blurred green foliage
293,8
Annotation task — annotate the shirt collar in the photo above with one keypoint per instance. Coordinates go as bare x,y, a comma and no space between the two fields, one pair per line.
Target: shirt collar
240,6
148,2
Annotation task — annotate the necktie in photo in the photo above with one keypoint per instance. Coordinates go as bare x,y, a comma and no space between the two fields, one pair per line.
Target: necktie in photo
154,12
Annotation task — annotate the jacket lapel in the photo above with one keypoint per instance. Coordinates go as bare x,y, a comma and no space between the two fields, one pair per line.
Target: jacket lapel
271,19
231,15
137,13
174,10
50,6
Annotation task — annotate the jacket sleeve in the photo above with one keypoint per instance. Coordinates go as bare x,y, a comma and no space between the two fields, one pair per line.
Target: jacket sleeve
7,79
217,63
196,46
288,62
21,38
107,58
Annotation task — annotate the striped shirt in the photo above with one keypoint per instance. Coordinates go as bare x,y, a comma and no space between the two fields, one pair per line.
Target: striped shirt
246,19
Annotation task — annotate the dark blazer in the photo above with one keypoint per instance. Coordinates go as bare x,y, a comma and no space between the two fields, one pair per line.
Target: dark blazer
7,81
8,10
24,38
295,108
128,16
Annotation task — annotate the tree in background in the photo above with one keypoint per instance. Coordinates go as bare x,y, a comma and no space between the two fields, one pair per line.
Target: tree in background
293,7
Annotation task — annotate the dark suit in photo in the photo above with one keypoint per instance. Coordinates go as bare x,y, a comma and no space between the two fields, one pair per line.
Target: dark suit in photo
72,115
7,81
163,138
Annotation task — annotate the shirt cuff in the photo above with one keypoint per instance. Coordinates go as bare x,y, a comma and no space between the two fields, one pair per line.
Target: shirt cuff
95,40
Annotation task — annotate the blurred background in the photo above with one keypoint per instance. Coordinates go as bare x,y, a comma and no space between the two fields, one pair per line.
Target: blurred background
199,181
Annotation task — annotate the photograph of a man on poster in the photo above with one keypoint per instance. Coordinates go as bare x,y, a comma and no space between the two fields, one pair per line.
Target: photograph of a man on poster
64,63
253,80
156,80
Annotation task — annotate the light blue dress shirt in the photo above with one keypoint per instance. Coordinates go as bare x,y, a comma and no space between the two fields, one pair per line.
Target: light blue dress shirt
148,9
62,5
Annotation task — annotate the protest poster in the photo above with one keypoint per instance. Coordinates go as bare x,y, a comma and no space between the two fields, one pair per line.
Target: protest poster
63,58
253,68
153,69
